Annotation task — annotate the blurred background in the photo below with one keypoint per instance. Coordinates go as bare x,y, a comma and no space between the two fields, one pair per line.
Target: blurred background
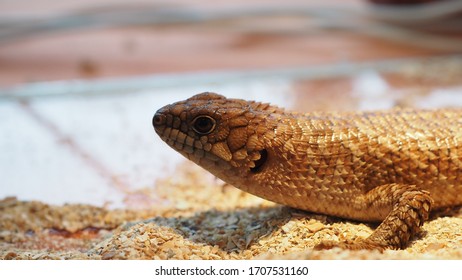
81,80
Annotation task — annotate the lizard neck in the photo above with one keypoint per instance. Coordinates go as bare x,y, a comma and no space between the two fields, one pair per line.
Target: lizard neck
306,159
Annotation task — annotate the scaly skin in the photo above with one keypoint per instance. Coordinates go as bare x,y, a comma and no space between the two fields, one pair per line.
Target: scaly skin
391,166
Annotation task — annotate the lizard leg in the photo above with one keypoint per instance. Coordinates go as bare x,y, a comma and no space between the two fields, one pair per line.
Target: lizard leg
410,208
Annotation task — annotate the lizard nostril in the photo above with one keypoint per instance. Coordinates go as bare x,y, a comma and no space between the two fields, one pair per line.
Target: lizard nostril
158,119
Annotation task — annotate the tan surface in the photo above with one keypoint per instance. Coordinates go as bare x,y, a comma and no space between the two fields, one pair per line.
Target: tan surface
116,53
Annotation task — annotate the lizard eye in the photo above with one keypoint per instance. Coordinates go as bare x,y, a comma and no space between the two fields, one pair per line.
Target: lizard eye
203,124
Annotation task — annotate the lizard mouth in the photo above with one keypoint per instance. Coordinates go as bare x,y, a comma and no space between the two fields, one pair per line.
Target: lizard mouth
186,145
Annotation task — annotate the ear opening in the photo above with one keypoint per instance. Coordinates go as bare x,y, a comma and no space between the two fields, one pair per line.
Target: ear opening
260,162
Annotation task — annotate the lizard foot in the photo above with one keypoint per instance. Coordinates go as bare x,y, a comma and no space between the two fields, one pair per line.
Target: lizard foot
410,208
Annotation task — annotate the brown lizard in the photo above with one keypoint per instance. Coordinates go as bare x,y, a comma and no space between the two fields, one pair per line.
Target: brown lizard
390,166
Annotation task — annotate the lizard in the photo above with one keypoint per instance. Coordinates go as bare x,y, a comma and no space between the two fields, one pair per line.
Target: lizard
391,167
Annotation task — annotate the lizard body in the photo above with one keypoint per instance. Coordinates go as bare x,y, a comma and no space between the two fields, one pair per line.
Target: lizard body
390,166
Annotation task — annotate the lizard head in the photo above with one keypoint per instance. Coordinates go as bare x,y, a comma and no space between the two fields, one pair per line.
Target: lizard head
225,136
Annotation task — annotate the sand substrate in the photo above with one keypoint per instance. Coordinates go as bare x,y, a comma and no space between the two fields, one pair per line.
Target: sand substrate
198,217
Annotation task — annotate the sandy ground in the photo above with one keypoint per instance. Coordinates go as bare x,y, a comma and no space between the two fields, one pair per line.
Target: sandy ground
209,220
